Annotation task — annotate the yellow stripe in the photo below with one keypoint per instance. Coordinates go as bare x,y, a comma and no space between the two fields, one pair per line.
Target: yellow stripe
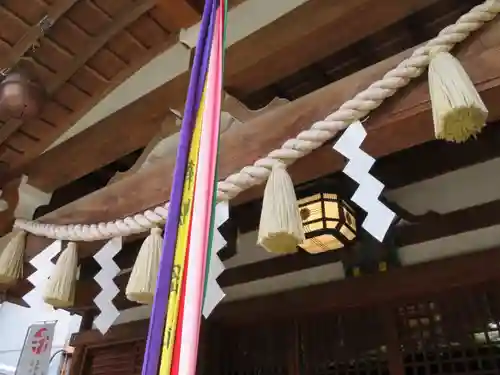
181,246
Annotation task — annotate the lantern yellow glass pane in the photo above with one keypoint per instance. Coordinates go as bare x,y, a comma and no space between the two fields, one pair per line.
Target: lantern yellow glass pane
325,214
304,201
332,224
332,211
320,244
329,196
312,227
315,211
347,232
350,218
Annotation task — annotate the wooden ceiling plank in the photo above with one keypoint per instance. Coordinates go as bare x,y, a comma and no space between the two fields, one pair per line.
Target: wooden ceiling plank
103,145
55,12
400,124
302,25
179,13
124,18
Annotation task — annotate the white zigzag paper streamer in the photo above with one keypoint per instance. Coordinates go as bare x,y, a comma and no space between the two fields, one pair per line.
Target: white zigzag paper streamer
109,269
379,217
43,265
214,293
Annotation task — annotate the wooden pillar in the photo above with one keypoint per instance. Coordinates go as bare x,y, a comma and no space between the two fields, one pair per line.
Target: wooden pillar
78,356
203,349
394,353
87,320
294,350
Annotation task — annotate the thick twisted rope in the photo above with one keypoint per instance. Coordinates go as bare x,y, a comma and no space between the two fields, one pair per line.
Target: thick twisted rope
295,148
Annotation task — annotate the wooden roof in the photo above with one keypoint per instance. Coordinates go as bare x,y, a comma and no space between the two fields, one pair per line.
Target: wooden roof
96,45
91,47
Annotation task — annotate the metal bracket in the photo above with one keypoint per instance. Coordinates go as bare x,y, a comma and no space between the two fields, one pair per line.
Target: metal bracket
45,23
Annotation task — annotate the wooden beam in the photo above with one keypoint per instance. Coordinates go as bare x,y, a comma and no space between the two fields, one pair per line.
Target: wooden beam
54,12
431,228
123,18
421,162
402,282
179,13
128,331
400,124
381,288
435,158
313,31
314,25
438,226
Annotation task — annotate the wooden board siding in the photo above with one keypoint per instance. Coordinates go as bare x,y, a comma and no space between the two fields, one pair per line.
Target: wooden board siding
120,359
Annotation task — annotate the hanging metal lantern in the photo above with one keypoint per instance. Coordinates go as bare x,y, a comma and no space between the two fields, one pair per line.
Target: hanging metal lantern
329,221
21,96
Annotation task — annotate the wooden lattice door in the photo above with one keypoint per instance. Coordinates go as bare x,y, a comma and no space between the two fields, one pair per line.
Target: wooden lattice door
255,349
452,333
348,343
115,359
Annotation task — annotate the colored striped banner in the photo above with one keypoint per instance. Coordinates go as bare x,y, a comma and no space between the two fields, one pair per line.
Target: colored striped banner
203,217
159,310
189,226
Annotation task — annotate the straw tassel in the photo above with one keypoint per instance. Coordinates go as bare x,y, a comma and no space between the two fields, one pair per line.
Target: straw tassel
280,229
60,288
142,283
457,109
11,259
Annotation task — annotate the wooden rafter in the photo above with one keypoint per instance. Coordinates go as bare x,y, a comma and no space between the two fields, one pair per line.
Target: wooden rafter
245,61
314,31
124,18
179,13
55,12
402,123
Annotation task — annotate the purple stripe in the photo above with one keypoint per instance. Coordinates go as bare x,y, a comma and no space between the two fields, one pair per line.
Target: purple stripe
196,83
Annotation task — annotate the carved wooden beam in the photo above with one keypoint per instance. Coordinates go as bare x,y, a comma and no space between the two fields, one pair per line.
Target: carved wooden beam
164,144
399,124
321,27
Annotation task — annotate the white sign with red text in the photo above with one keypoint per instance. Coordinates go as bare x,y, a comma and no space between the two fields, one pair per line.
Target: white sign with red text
35,355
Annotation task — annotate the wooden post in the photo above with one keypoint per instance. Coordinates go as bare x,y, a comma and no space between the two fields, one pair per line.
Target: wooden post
394,354
294,350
